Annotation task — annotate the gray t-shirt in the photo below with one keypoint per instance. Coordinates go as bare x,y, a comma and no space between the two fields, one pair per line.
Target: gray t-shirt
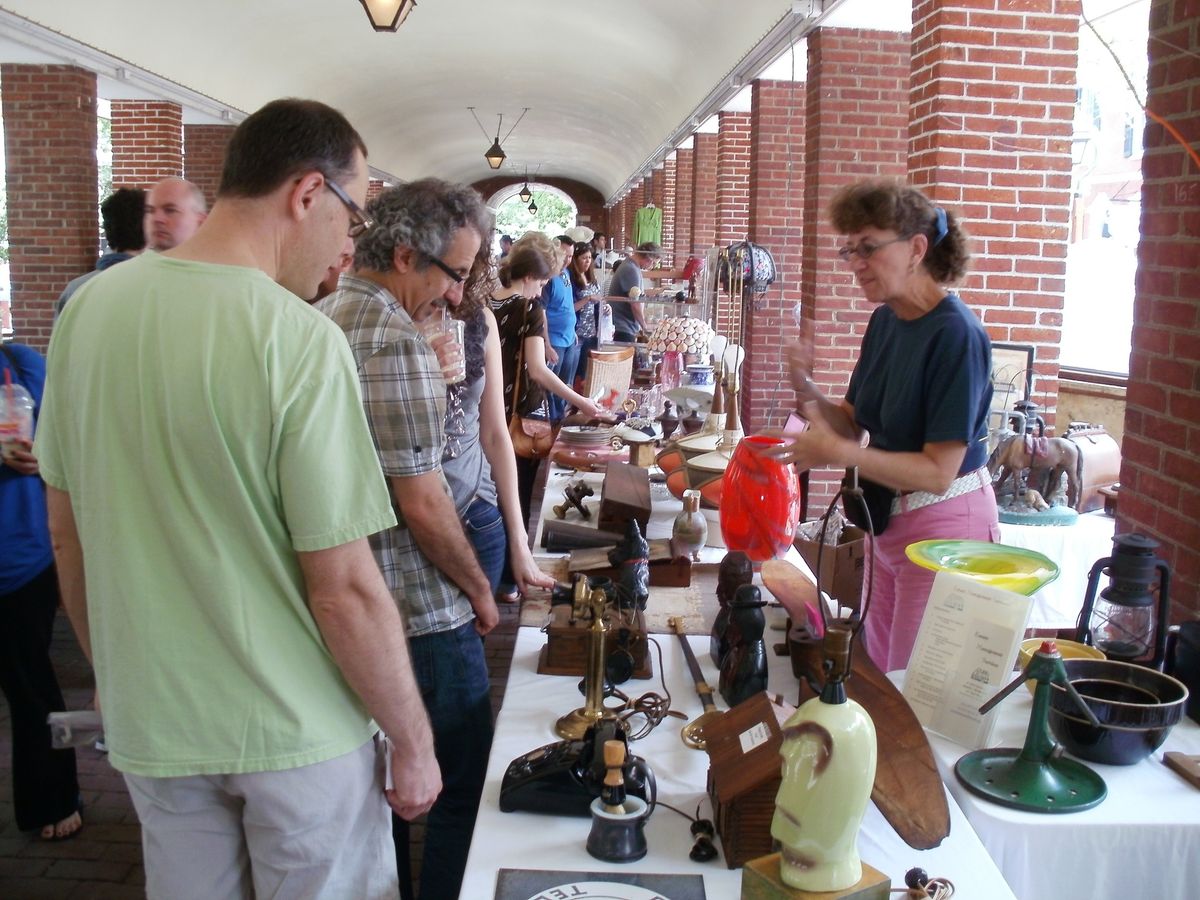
627,276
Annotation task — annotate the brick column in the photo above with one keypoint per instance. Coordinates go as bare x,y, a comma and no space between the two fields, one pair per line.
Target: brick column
51,180
668,208
655,196
1159,491
683,204
204,156
993,88
147,142
704,192
616,226
857,127
733,176
774,220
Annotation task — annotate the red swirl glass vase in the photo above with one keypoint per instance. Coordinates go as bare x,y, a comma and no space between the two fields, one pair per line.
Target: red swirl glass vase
760,501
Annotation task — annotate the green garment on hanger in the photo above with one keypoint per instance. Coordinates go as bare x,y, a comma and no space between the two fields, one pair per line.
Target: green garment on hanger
647,225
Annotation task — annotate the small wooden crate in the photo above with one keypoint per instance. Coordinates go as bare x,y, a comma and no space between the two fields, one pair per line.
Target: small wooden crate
744,772
624,496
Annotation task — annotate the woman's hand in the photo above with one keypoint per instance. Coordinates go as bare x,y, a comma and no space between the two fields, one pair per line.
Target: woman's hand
800,359
817,446
18,455
591,408
551,355
526,573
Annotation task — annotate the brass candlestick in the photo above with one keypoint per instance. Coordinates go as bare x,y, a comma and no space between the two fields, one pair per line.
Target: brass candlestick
575,724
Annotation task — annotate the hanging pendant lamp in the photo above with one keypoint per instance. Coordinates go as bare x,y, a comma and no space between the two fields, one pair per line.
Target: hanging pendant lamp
532,207
387,15
526,194
495,155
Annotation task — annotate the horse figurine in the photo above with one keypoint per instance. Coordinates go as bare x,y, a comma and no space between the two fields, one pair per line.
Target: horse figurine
1047,460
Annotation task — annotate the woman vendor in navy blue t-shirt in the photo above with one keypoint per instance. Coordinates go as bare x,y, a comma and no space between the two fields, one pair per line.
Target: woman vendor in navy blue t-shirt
920,390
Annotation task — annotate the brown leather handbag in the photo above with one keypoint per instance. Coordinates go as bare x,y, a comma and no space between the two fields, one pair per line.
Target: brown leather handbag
531,438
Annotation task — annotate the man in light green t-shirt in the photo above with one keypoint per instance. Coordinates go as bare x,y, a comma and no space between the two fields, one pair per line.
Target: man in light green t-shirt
212,483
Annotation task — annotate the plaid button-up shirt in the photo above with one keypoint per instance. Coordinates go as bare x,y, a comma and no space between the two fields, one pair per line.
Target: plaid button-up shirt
405,400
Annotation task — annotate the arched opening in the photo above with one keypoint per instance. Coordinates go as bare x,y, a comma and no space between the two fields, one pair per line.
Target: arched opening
556,211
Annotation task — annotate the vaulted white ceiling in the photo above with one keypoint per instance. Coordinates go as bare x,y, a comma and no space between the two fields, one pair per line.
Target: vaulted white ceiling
609,84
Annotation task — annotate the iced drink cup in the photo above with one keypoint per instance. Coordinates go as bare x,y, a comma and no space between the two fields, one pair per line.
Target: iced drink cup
445,336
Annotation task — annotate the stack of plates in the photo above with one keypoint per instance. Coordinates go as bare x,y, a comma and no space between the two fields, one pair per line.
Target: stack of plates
586,437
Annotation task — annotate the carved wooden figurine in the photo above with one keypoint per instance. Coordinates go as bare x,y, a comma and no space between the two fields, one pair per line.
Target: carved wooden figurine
631,558
744,668
735,571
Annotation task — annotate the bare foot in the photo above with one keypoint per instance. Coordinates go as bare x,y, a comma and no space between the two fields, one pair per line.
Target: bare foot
63,829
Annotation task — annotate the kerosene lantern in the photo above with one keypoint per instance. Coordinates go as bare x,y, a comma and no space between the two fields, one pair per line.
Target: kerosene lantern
1123,622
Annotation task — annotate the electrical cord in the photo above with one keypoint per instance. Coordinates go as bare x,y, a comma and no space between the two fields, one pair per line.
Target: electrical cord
703,832
653,707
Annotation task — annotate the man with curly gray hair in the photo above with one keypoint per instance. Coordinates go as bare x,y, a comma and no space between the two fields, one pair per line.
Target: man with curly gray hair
420,249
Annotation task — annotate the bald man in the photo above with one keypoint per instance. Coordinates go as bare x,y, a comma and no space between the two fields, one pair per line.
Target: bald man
174,210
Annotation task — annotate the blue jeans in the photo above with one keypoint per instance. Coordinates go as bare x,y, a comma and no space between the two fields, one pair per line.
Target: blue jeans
484,526
568,362
453,678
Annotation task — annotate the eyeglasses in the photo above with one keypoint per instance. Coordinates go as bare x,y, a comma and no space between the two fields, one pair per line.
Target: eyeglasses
456,277
360,222
865,250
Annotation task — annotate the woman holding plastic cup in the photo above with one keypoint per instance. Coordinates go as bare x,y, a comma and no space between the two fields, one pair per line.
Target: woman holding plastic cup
45,789
521,322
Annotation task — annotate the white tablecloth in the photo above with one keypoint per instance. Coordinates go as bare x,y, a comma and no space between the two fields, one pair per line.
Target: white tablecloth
1075,548
1142,841
533,703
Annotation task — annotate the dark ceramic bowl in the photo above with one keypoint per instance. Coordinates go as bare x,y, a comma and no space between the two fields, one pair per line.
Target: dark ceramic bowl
1137,708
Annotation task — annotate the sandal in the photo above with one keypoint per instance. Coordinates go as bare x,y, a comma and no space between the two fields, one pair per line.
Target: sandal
58,832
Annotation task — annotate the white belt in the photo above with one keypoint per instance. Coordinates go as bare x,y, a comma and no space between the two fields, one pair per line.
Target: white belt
963,484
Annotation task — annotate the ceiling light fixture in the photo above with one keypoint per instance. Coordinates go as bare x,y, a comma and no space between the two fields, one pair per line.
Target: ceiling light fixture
387,15
495,154
526,195
532,207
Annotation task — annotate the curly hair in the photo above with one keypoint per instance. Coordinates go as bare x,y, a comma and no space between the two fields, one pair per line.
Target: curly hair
477,289
423,215
581,281
892,205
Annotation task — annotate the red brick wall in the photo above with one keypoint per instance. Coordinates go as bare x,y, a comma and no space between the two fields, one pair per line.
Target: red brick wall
50,171
733,176
204,156
776,195
668,208
147,142
993,90
704,192
857,127
1160,495
683,204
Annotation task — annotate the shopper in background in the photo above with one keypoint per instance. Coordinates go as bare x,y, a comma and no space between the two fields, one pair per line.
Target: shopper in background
559,304
628,317
478,459
45,788
920,391
585,290
520,322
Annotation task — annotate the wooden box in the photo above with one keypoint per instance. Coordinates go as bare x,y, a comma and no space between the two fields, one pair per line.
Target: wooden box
566,649
624,496
744,772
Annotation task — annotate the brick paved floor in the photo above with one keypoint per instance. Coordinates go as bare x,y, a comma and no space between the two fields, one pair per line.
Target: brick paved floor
105,861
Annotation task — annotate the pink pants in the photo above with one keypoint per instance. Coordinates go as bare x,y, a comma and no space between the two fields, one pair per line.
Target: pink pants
902,588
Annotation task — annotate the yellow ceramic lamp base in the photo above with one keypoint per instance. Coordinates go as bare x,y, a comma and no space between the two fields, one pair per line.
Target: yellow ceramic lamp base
761,881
